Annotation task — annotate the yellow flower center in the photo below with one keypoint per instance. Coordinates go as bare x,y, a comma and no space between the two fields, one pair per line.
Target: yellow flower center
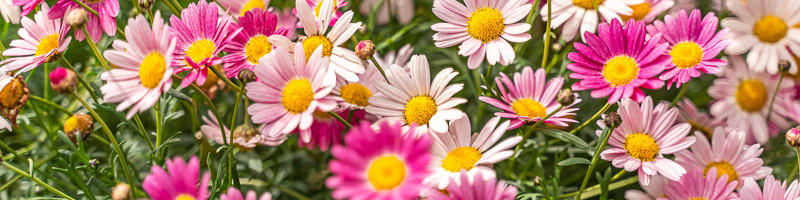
420,110
461,158
587,4
12,93
641,146
184,197
312,42
250,5
152,70
201,49
256,48
47,44
751,95
722,169
297,95
620,70
356,94
686,54
639,11
319,6
486,24
78,123
529,108
386,172
770,29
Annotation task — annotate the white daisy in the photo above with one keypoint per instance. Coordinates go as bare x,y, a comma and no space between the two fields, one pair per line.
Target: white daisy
579,16
9,12
765,28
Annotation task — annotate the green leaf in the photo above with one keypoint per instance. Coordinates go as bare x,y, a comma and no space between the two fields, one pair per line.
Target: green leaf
564,136
574,161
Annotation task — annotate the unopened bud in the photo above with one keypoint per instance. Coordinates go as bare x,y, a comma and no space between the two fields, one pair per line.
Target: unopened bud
93,163
566,97
121,192
63,81
145,4
247,75
365,49
793,137
784,65
557,47
80,123
612,119
77,18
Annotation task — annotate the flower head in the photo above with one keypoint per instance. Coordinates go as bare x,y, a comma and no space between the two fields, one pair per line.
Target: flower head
104,21
580,16
179,183
701,122
63,81
773,189
356,95
695,185
320,12
5,80
648,10
234,194
326,130
9,11
469,186
41,41
13,96
252,42
767,29
727,153
80,123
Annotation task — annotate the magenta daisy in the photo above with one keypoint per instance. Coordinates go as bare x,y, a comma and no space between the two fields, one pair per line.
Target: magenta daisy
202,33
693,49
728,154
106,22
179,183
701,122
695,185
618,62
466,186
240,7
530,97
234,194
326,130
482,28
651,192
27,5
290,91
144,70
644,137
773,189
252,42
382,163
41,41
317,6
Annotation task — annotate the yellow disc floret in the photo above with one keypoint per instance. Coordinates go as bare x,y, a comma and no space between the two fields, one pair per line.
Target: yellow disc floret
461,158
529,108
12,93
312,42
686,54
723,168
297,95
256,48
386,172
620,70
200,50
184,197
641,146
587,4
47,44
486,24
770,29
751,95
420,110
250,5
152,70
356,94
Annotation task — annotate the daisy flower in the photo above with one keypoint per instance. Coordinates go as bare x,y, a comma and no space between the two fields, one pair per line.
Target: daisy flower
459,150
288,21
414,100
728,154
252,42
743,97
403,10
5,79
356,95
693,48
701,122
648,10
773,189
644,137
530,97
234,194
202,33
9,11
41,41
179,183
240,7
482,28
765,28
619,61
27,5
290,91
651,192
382,163
246,137
106,9
318,6
344,61
143,71
695,185
580,16
466,186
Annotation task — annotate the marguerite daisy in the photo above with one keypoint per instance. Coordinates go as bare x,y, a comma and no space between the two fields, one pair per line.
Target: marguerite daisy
246,137
104,21
9,11
580,16
649,192
765,28
41,41
726,152
702,123
467,186
696,185
773,189
180,183
356,95
252,42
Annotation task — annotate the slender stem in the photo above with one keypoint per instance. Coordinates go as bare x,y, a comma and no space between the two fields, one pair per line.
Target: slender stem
684,88
46,81
593,191
177,4
380,69
488,79
49,103
231,161
86,7
7,148
346,124
774,94
591,120
10,182
618,175
172,8
80,78
606,135
143,131
159,130
797,151
95,49
292,193
214,110
547,35
34,179
225,78
529,20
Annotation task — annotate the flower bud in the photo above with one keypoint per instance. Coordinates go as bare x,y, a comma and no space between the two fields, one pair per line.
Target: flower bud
121,192
365,49
145,4
246,75
784,65
612,119
78,123
63,81
566,97
93,163
793,137
77,18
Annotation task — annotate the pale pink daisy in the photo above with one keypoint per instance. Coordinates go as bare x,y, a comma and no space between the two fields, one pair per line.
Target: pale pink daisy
403,10
40,41
482,28
144,71
252,42
180,183
580,16
651,192
245,137
773,189
726,152
743,100
644,137
531,97
234,194
696,185
239,7
412,98
96,25
766,29
9,11
702,123
649,10
290,91
460,150
317,6
356,95
467,186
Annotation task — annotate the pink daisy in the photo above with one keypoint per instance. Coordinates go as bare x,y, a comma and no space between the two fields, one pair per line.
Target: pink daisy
618,62
693,44
288,21
201,36
144,71
726,152
41,41
530,98
701,122
180,183
482,28
290,91
234,194
27,5
245,137
695,185
773,189
648,10
240,7
644,137
474,187
317,6
252,42
106,9
382,163
326,130
651,192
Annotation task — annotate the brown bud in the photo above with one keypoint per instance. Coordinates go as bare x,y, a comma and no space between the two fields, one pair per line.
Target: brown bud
612,119
145,4
63,81
246,75
78,123
566,97
77,18
793,137
784,65
93,163
121,192
365,49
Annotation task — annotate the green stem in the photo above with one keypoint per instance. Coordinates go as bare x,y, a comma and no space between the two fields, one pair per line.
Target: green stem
80,78
547,35
591,120
292,193
346,124
774,94
231,161
684,88
34,179
377,65
145,136
797,151
49,103
172,8
606,135
159,131
86,7
595,190
9,149
225,78
618,175
214,110
95,49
